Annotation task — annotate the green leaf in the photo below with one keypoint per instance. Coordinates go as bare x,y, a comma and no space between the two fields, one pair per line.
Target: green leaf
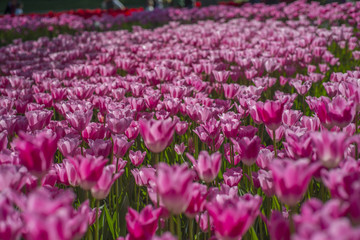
253,234
109,221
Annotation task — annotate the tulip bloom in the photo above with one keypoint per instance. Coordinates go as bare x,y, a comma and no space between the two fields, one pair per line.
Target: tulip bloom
137,157
143,225
206,166
103,185
36,153
291,178
233,216
247,148
270,113
157,134
121,145
198,200
174,186
79,119
89,169
329,147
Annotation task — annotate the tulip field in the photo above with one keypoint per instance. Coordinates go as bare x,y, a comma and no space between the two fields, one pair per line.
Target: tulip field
218,122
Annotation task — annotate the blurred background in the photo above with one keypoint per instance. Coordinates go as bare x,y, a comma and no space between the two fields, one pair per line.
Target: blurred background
42,6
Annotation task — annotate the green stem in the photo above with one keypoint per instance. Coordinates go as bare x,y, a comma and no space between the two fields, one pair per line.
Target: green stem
172,228
252,188
274,141
138,199
97,219
291,216
178,222
191,229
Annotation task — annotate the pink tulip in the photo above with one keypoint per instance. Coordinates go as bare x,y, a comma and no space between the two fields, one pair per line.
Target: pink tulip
144,175
79,119
233,216
55,219
198,200
298,145
207,166
290,117
143,225
180,148
89,169
291,179
232,176
230,128
103,185
133,130
247,148
118,124
68,146
93,131
270,113
36,153
279,133
121,145
181,127
341,112
329,147
221,76
38,119
266,182
99,147
157,134
174,186
137,157
279,226
165,236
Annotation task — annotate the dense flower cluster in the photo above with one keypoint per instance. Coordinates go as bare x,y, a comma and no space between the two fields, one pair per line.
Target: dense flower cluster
242,126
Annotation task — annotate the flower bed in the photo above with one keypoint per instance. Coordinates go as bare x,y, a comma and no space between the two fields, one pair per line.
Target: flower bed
243,126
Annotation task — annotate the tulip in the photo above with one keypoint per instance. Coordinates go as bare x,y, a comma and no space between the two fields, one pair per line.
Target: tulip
291,178
266,182
36,153
55,219
270,113
329,147
118,124
107,179
233,176
174,186
137,157
157,134
99,147
233,216
180,148
79,119
93,131
341,112
143,225
89,169
207,166
68,146
38,119
198,200
181,128
121,145
247,148
279,226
